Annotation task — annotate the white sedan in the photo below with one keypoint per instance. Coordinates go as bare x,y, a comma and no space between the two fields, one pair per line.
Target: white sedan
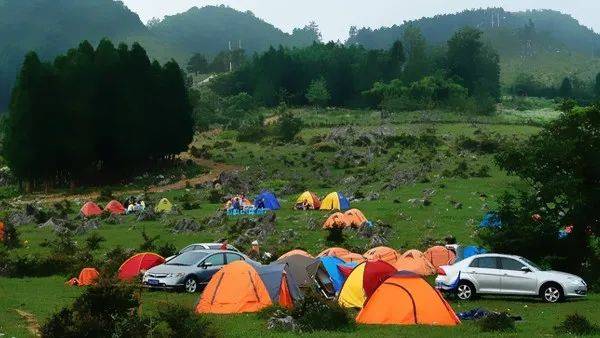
497,274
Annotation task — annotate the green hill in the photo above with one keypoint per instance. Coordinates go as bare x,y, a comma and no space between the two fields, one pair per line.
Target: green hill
50,27
549,43
209,30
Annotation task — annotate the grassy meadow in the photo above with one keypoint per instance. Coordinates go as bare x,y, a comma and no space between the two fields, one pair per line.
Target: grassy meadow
428,160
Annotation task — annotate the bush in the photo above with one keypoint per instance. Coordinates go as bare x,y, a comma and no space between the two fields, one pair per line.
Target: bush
335,236
316,313
174,320
288,127
576,324
11,236
97,312
496,322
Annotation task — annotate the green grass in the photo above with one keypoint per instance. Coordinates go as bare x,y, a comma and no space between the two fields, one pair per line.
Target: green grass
43,296
413,226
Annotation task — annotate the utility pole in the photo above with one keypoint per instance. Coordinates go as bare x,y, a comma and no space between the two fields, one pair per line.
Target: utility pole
230,58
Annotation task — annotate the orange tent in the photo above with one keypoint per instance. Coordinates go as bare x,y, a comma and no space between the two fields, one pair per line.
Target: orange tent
336,252
355,217
139,263
353,257
407,299
115,207
415,261
91,209
439,255
236,288
337,220
295,252
383,253
1,231
87,276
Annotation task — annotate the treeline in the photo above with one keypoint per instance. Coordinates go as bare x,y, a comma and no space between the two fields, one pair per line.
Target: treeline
572,87
338,75
94,114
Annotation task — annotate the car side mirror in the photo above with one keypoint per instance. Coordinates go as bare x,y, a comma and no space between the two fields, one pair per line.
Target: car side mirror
206,265
525,269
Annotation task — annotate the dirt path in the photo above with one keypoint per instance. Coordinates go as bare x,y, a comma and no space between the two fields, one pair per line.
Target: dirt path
215,169
32,323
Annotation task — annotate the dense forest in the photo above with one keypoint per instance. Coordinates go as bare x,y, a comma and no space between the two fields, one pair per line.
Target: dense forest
50,27
87,115
548,44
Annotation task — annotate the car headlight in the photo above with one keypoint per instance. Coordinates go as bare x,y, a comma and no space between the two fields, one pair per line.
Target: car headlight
177,275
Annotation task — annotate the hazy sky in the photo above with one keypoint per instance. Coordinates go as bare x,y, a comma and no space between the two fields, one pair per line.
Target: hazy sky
335,17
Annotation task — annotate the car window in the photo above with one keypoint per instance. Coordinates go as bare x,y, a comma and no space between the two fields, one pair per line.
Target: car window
231,257
188,258
188,248
484,262
217,259
511,264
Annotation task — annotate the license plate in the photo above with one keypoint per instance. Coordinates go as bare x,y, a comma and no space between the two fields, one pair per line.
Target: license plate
153,281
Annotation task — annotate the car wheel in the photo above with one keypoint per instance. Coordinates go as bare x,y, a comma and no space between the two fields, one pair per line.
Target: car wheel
190,284
552,293
465,291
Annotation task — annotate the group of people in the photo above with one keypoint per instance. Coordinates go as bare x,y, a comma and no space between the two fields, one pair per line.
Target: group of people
237,202
133,205
304,205
253,253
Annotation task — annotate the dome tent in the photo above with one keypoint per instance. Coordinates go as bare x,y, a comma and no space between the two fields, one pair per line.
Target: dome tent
363,281
440,255
335,201
115,207
268,199
164,205
138,263
383,253
90,209
407,299
310,198
416,262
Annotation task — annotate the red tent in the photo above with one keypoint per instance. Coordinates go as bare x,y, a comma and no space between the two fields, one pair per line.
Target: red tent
115,207
91,209
376,272
139,263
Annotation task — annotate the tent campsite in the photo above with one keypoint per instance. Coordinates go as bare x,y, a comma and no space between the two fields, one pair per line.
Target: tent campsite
407,299
115,207
337,221
267,200
136,264
280,283
363,281
356,218
90,209
310,198
440,255
297,267
416,262
87,277
335,201
383,253
164,205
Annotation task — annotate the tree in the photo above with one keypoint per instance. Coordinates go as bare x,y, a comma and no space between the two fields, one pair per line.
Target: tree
417,63
289,126
566,88
475,65
597,87
88,115
198,64
561,166
317,93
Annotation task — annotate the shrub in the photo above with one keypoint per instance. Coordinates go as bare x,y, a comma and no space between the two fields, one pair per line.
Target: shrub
335,236
11,236
316,313
576,324
496,322
188,201
97,313
325,147
288,127
177,321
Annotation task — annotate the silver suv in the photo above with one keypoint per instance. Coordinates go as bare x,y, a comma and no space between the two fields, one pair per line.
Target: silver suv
507,275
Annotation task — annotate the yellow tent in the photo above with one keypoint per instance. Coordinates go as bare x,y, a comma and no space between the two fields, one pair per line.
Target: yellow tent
335,201
310,198
163,206
352,293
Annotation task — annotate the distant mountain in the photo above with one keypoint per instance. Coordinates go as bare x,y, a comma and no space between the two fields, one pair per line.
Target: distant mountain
548,42
209,30
50,27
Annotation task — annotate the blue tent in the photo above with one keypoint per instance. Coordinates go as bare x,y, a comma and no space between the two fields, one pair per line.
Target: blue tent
331,266
344,203
472,250
490,220
268,200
